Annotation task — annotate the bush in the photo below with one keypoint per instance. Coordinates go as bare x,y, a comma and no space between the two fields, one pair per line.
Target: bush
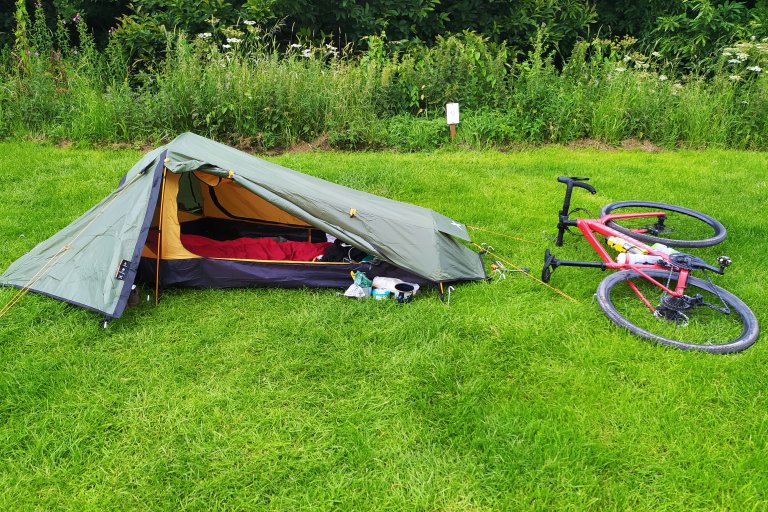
244,88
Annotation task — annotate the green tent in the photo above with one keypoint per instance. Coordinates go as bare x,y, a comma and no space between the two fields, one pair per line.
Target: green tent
201,214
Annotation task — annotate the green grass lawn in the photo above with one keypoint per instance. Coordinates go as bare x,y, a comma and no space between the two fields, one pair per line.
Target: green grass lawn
510,398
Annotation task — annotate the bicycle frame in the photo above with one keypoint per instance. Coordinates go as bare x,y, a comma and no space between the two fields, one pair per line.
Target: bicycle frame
589,227
658,273
679,263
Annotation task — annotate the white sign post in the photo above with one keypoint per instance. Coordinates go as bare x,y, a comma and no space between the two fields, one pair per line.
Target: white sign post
452,117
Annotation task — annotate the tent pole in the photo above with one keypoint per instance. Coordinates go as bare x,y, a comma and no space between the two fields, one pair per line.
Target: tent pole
159,239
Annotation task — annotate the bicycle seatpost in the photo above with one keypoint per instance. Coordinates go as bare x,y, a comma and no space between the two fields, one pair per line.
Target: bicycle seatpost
564,221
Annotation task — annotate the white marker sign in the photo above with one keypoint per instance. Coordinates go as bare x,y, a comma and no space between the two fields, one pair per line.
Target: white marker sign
452,113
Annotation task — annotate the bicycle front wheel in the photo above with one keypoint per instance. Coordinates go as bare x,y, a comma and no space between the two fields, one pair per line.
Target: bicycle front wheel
679,227
708,318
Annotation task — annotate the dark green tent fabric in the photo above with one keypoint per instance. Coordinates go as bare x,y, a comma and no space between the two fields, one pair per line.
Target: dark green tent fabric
411,237
79,263
93,261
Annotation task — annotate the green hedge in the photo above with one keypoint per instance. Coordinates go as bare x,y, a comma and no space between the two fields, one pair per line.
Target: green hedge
254,93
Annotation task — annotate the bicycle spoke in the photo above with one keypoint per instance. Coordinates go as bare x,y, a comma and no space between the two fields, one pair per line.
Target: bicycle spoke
676,318
668,224
671,226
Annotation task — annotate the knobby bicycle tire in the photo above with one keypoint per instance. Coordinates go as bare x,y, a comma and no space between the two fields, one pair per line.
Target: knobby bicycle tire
746,318
716,229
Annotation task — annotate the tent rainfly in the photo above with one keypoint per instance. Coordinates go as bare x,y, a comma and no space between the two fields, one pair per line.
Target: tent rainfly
198,213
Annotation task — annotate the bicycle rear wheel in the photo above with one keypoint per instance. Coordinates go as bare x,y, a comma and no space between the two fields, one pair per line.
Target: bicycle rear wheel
684,324
680,227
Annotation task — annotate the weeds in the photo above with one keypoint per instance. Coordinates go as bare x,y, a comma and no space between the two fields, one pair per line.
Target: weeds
238,85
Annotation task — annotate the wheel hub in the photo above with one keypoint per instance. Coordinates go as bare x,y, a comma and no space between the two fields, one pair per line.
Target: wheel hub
659,228
676,303
672,309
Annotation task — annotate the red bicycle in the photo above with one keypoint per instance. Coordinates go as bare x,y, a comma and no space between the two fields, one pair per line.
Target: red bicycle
654,295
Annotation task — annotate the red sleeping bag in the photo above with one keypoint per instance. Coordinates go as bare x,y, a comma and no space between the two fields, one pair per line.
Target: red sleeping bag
253,248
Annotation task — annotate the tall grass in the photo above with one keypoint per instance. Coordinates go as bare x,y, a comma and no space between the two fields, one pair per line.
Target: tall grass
260,95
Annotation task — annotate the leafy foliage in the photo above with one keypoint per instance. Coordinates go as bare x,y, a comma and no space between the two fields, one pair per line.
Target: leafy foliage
238,82
21,42
690,31
696,35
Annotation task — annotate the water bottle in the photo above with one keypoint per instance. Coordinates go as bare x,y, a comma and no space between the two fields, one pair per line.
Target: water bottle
637,259
621,245
663,248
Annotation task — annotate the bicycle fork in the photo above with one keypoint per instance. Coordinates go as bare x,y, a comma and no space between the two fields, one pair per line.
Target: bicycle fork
551,263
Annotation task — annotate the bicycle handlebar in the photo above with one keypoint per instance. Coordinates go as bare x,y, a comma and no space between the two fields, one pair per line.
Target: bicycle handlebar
577,182
564,222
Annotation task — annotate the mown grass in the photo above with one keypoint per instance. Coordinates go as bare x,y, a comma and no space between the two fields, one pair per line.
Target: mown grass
512,397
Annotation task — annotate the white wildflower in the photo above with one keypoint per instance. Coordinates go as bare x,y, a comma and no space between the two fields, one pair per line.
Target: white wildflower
233,40
727,54
226,46
756,69
306,53
294,45
249,23
620,70
656,54
742,56
331,48
204,35
735,78
627,58
734,61
663,77
677,85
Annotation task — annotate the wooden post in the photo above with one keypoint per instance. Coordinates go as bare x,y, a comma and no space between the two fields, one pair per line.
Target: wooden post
452,117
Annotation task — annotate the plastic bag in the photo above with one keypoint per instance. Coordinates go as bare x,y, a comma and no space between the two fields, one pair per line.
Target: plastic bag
361,288
362,280
357,292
